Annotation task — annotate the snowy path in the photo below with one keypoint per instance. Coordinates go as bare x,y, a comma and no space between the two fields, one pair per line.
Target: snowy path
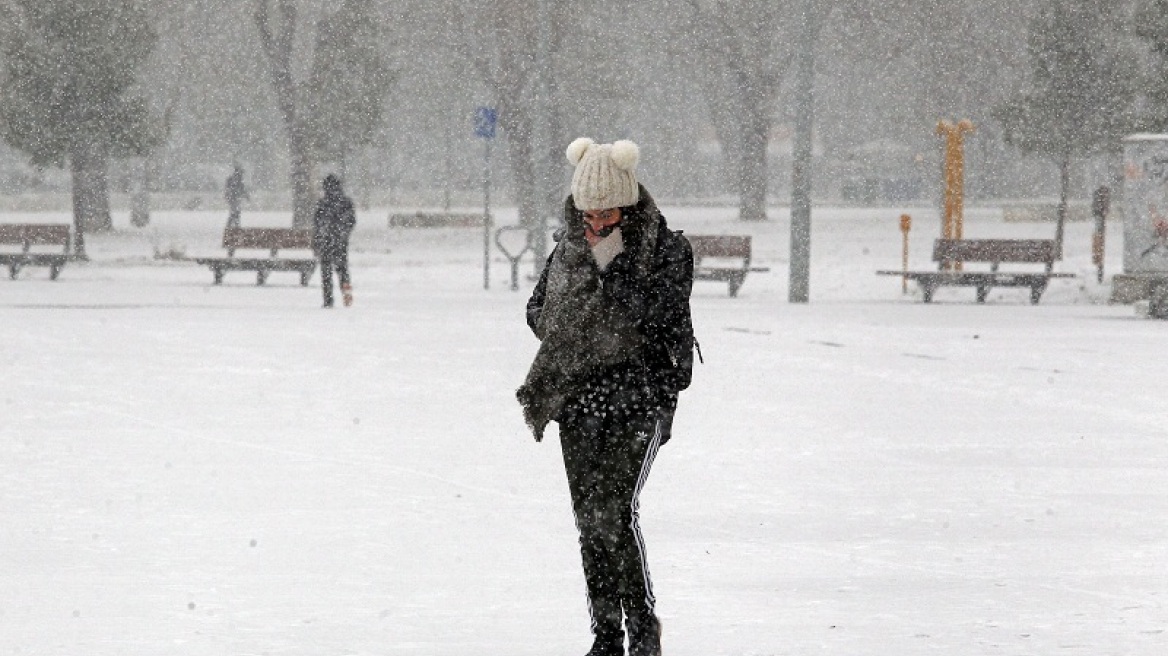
188,469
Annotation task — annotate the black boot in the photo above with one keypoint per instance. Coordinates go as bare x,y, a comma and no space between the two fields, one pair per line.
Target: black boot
607,647
644,636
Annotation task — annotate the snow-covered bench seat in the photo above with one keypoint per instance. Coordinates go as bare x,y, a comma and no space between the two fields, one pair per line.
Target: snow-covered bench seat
951,254
27,235
438,220
272,240
733,251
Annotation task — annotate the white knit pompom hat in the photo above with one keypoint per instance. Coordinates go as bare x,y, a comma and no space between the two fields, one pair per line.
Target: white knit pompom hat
604,174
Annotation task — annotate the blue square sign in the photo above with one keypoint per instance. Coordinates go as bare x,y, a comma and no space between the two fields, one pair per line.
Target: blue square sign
484,122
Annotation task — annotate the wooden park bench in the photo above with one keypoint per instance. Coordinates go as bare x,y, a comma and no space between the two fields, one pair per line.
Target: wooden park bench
269,239
27,235
951,253
722,248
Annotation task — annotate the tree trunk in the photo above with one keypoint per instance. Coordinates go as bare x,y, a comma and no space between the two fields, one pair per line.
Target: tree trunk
447,167
277,47
89,164
724,110
740,87
752,171
520,153
300,175
558,141
1064,191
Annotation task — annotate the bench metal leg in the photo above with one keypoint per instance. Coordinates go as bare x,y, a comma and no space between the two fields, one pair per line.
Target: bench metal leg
735,283
218,275
54,271
1158,299
928,290
13,269
1036,292
982,292
305,276
261,277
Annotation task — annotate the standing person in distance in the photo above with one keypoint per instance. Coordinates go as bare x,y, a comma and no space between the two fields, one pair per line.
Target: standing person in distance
332,223
235,193
612,313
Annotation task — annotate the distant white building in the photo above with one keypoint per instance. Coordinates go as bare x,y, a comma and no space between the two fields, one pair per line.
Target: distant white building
1145,216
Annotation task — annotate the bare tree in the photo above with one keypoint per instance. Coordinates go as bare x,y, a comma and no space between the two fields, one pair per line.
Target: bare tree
1151,26
748,47
1081,92
71,93
501,42
348,86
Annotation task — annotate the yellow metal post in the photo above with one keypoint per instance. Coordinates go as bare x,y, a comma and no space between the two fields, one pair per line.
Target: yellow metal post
905,226
952,223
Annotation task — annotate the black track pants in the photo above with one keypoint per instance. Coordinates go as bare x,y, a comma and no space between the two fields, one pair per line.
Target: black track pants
607,464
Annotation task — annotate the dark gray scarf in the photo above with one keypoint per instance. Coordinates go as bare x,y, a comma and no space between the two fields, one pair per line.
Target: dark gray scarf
579,332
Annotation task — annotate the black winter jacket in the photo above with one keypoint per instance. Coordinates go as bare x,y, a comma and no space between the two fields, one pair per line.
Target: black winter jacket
656,304
332,224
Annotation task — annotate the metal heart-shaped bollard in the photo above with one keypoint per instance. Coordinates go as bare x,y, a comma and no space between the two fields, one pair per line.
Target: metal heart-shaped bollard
507,239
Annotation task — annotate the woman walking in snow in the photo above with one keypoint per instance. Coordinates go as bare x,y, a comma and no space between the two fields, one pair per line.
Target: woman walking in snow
235,193
612,313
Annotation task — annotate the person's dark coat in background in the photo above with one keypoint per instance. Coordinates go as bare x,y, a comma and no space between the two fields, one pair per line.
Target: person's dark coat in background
332,224
234,193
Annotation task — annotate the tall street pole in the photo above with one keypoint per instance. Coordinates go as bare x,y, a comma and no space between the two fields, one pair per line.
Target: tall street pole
800,274
487,214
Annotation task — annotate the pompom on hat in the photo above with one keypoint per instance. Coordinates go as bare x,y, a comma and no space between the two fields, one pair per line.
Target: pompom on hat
604,175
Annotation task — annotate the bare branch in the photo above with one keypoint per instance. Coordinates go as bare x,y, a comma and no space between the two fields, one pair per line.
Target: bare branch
478,61
287,31
261,16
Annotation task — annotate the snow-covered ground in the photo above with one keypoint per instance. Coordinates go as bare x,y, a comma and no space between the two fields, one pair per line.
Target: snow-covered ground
197,470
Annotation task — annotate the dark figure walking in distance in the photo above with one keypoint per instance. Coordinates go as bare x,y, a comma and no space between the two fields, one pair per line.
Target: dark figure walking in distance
234,193
332,223
612,313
